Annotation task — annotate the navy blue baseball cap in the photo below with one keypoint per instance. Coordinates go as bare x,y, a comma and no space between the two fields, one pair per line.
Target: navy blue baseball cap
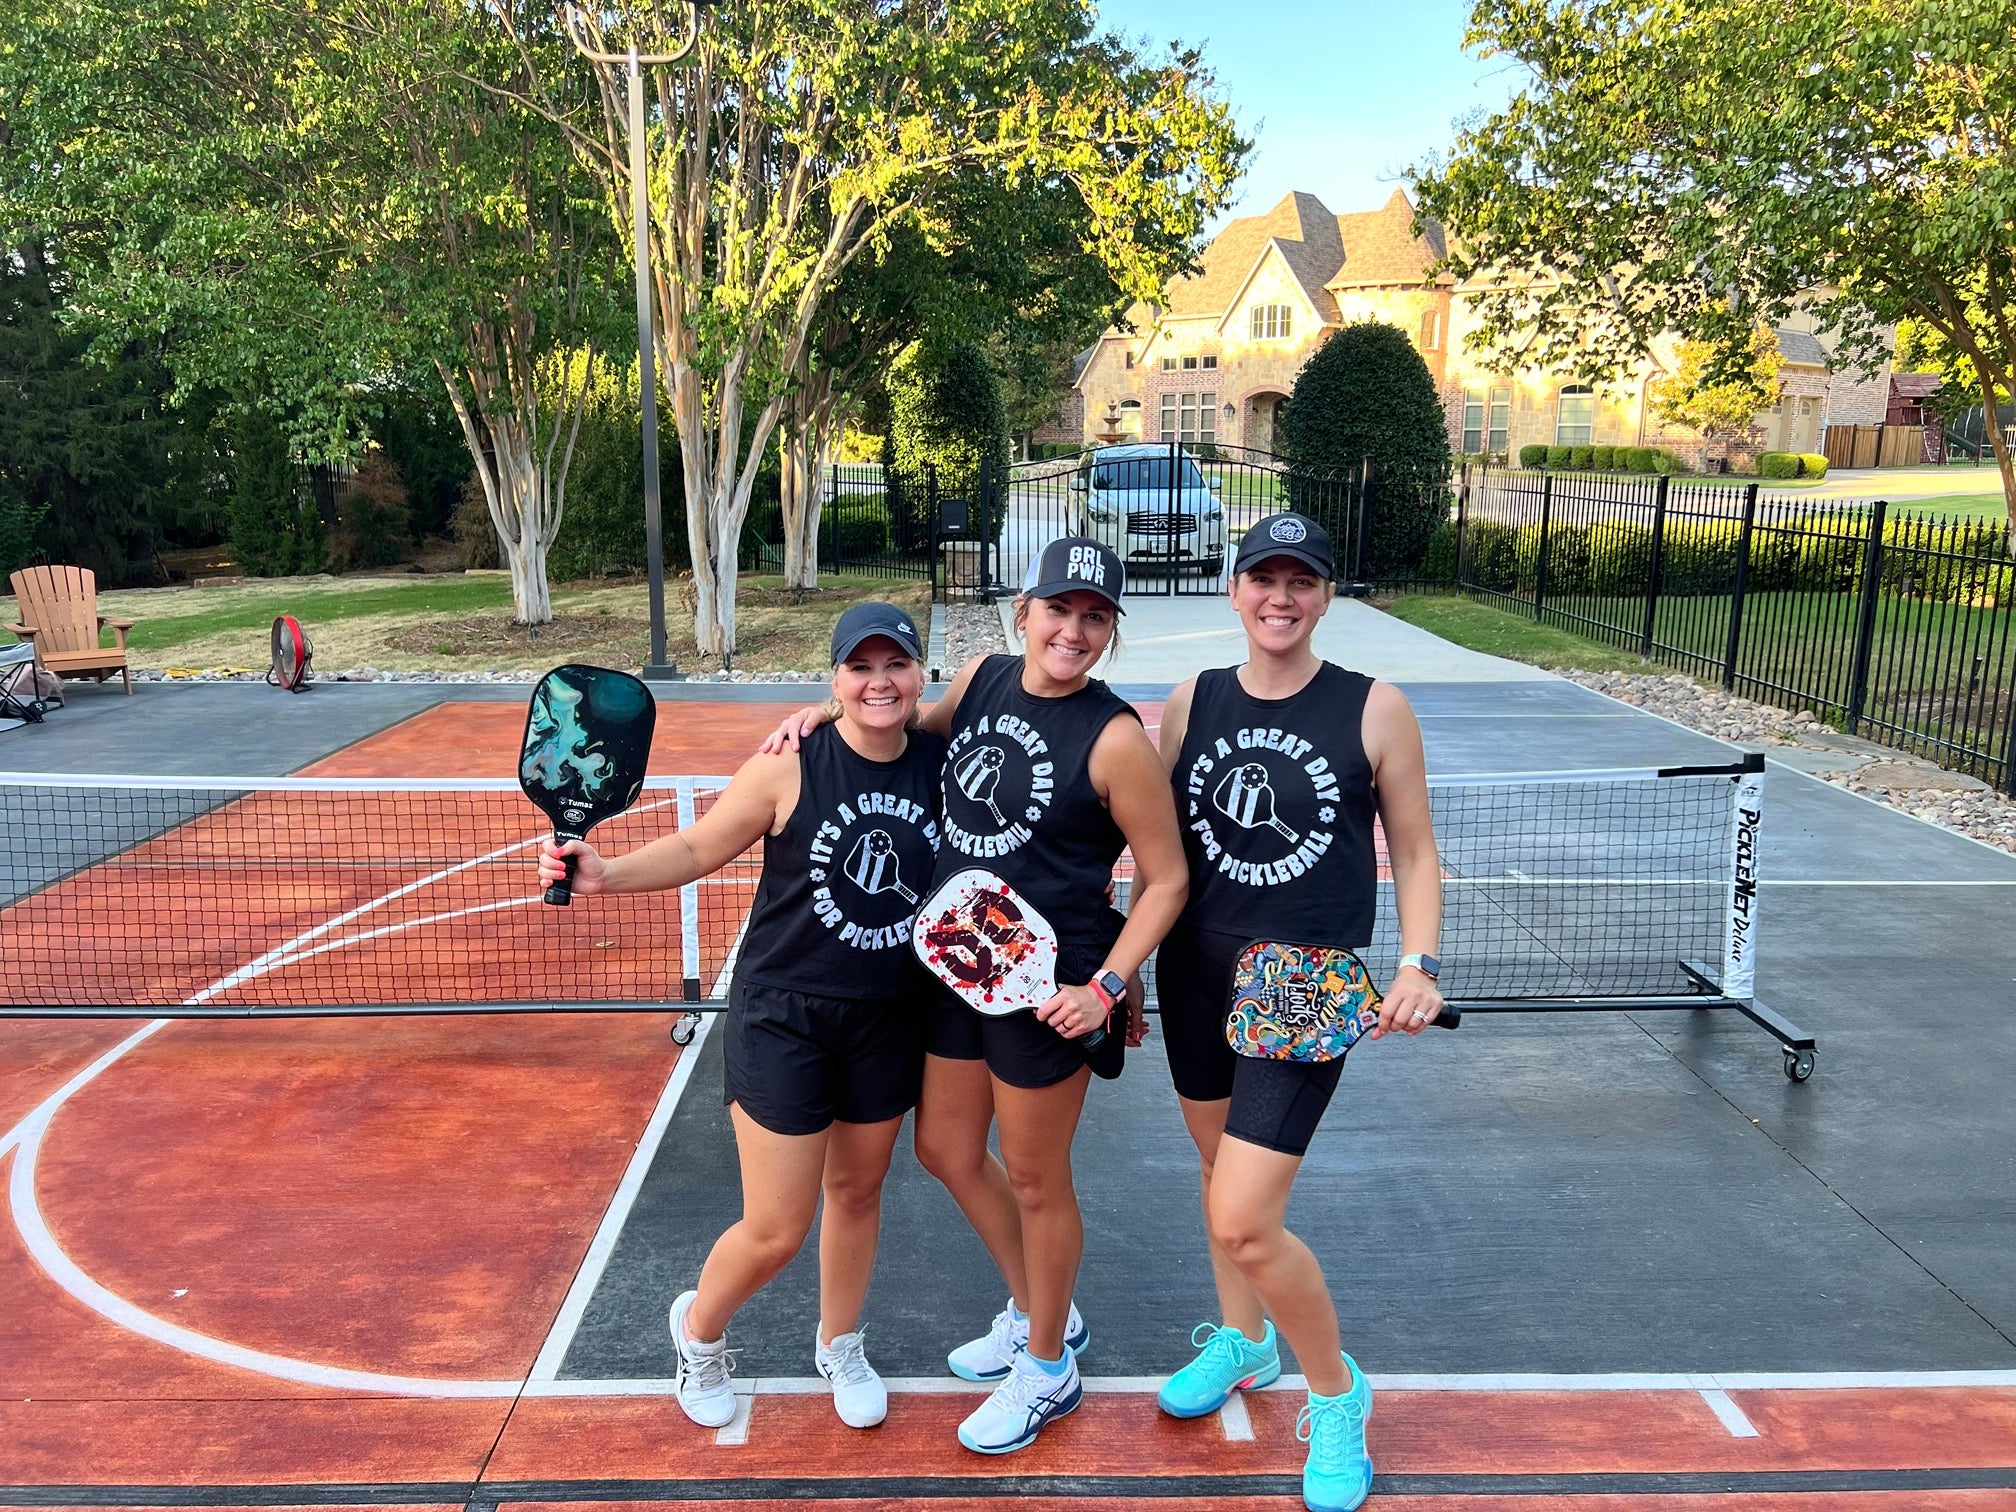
1290,535
863,622
1075,562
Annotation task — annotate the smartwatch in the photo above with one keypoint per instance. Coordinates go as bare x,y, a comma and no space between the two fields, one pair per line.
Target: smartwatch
1427,965
1113,985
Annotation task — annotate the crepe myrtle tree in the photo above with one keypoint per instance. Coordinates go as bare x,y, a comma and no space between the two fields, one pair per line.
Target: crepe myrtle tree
1702,167
311,204
802,134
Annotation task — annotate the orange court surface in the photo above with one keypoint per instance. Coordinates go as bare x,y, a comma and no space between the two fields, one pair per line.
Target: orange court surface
340,1262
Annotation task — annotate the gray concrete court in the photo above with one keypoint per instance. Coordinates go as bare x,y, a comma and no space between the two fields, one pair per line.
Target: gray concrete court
1609,1192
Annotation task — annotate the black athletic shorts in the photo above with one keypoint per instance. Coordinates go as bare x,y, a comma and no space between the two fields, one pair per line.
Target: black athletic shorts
798,1063
1020,1049
1275,1104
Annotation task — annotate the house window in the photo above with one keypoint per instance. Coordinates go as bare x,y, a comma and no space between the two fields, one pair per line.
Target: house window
1431,330
1189,364
1473,421
1210,363
1272,322
1191,419
1501,421
1168,364
1130,357
1576,419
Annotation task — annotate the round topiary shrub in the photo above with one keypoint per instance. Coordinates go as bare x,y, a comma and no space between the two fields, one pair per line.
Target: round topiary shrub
1581,458
1638,459
1603,458
1533,454
1366,395
1812,465
1557,456
1778,465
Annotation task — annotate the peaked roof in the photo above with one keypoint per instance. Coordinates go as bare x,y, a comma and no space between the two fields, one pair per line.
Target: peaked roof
1915,385
1801,349
1380,246
1321,250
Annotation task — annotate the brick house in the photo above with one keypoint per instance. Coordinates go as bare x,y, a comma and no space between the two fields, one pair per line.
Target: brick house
1214,361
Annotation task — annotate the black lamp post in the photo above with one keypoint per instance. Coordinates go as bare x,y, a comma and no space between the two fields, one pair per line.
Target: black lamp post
659,666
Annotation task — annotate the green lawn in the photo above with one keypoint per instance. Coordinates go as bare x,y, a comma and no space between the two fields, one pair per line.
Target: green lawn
1980,506
1926,654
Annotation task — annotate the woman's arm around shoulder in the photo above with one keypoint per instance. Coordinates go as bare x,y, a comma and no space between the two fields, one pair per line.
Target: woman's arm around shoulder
937,717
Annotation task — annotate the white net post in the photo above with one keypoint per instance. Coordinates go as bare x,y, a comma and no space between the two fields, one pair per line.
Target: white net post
1739,948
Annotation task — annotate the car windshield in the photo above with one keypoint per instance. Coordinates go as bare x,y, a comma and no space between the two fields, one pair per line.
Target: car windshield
1139,474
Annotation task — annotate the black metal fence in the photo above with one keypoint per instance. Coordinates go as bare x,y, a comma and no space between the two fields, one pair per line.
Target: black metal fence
1895,626
1173,511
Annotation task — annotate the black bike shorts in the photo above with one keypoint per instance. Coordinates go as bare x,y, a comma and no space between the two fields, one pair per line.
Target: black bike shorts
1275,1104
798,1063
1020,1049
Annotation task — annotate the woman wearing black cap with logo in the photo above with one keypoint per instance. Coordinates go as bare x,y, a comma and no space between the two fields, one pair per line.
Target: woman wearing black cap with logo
1280,768
1048,776
818,1081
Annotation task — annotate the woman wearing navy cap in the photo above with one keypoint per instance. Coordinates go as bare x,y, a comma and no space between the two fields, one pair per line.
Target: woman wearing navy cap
826,1017
1049,775
1280,769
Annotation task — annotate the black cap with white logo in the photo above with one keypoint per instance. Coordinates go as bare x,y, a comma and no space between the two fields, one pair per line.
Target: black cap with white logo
863,622
1289,535
1074,563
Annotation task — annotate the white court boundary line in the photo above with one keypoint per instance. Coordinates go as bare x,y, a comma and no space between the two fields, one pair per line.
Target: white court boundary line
24,1141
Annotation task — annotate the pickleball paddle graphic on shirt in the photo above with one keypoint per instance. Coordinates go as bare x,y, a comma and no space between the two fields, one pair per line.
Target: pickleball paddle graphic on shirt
1246,797
979,775
874,867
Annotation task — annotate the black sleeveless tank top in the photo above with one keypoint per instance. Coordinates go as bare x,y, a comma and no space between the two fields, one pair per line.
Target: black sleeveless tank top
841,880
1276,802
1019,799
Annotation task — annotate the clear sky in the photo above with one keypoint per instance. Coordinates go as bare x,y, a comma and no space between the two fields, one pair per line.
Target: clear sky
1338,95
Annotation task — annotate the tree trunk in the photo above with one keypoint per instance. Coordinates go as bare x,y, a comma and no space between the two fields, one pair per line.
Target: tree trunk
525,491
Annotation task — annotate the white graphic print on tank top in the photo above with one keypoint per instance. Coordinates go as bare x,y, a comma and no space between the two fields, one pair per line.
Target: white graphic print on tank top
1002,782
862,887
1262,803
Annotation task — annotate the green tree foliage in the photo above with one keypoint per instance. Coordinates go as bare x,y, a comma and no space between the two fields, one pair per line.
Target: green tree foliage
1703,167
274,528
86,447
945,413
1718,399
1366,396
313,200
804,134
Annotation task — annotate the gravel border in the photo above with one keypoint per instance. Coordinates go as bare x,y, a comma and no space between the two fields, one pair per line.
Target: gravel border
1909,784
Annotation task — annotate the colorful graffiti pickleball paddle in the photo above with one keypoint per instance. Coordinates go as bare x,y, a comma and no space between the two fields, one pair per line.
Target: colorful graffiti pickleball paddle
587,742
1303,1002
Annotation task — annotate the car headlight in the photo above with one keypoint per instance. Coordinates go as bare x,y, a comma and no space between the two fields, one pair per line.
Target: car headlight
1214,511
1104,514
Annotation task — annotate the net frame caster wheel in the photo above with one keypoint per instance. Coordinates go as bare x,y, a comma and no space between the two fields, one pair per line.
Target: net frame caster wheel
1798,1064
688,1024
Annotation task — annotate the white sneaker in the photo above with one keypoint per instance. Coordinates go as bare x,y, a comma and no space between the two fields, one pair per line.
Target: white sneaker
989,1357
858,1393
1011,1418
706,1393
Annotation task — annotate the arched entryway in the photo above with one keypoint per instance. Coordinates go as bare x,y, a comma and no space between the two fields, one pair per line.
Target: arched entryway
1258,412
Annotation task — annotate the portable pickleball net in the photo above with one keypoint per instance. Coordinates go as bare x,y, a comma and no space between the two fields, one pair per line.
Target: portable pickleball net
1631,889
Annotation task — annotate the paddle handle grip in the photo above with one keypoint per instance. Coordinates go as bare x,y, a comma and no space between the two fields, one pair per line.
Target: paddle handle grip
561,894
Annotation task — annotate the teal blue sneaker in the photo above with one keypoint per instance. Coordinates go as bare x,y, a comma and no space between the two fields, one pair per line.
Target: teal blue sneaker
1338,1476
1228,1362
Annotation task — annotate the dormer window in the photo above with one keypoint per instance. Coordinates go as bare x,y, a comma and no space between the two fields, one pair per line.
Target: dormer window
1272,322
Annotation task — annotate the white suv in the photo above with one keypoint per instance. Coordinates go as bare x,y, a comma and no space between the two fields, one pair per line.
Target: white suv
1151,504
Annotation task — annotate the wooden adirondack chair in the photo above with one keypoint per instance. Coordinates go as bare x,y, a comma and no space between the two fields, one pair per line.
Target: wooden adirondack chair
59,614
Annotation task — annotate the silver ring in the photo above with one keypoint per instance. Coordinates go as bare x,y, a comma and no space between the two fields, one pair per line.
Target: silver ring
1420,1018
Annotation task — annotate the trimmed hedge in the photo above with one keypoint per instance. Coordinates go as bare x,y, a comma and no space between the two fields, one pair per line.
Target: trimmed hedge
1812,465
1581,458
1778,465
1533,454
1557,456
1603,458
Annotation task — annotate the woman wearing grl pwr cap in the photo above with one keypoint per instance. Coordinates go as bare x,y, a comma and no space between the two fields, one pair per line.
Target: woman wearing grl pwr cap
1048,777
1280,768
